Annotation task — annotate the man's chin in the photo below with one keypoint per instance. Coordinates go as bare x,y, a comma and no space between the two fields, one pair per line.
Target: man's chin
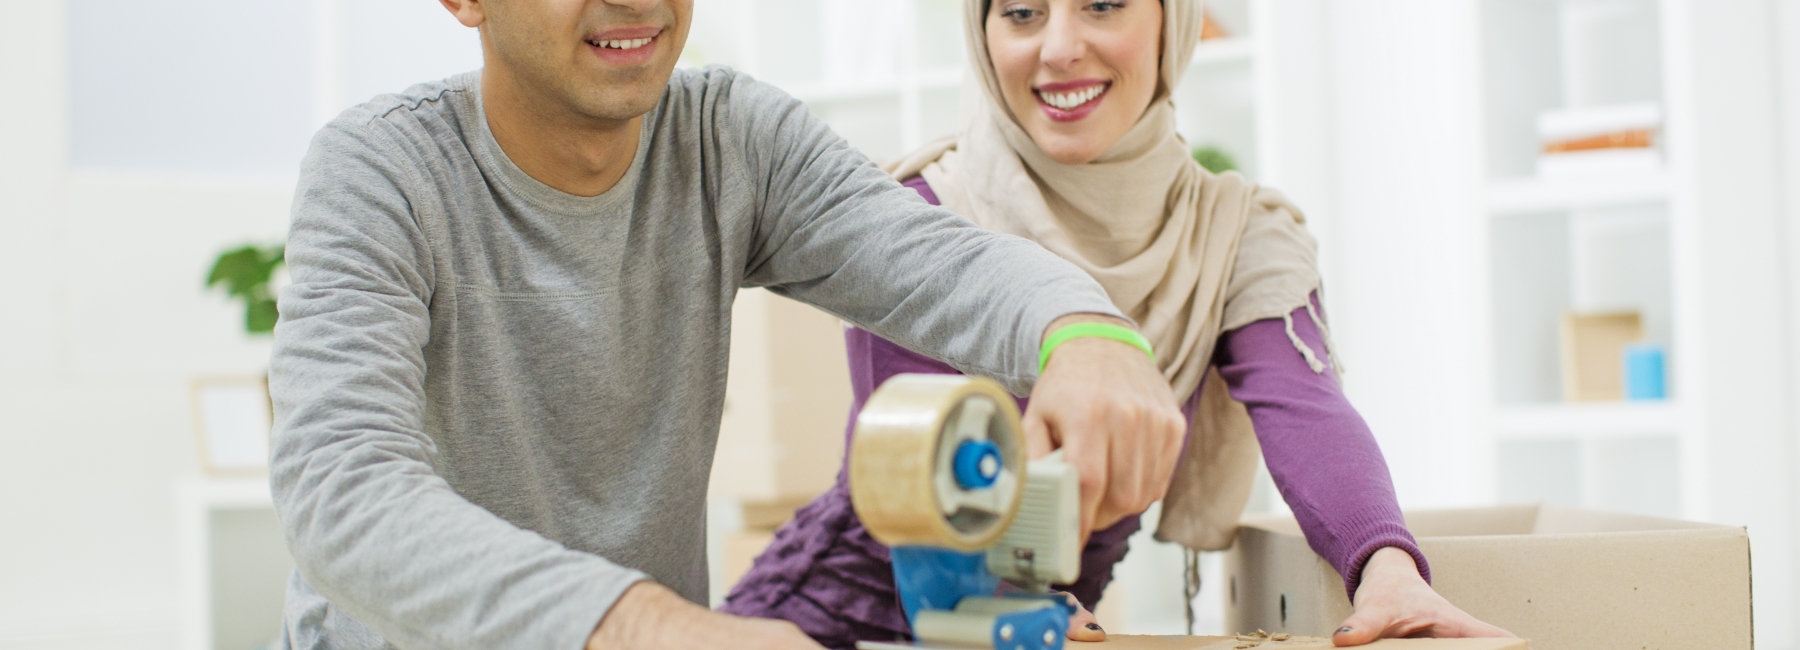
625,96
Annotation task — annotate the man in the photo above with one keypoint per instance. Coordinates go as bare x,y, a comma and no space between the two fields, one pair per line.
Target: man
500,368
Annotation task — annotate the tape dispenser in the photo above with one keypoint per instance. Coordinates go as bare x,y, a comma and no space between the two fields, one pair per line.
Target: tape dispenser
938,473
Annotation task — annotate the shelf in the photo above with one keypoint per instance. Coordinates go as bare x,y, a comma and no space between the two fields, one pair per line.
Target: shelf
1237,49
210,492
1526,195
1621,419
818,92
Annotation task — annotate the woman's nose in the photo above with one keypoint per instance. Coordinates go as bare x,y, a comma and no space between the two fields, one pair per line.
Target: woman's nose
1063,43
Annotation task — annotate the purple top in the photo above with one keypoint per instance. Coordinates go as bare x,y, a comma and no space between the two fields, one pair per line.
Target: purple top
825,573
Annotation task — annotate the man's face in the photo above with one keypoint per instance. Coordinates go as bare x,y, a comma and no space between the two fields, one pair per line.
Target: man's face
602,59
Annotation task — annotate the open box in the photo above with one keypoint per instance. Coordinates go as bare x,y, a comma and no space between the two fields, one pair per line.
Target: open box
1565,578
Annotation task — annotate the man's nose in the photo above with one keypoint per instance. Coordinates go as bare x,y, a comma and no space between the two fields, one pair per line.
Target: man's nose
636,6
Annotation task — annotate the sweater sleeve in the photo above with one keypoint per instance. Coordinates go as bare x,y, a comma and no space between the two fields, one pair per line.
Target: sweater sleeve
1321,453
836,232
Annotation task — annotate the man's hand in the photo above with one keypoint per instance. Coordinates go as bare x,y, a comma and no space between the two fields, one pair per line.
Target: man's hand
651,617
1114,416
1393,601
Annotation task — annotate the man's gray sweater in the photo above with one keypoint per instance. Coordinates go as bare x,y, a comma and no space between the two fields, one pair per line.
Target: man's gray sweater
496,403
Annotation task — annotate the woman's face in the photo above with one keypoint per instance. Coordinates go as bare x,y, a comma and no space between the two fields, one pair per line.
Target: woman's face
1077,73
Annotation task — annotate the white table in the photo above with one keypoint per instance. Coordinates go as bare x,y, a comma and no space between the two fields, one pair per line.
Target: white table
249,555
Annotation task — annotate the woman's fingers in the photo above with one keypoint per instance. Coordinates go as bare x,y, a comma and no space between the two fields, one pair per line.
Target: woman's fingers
1082,624
1393,601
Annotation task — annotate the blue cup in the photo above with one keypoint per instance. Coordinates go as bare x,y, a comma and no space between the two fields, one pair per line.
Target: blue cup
1645,374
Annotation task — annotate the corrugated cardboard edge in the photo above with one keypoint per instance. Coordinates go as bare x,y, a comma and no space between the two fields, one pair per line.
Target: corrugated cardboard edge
1134,642
1702,570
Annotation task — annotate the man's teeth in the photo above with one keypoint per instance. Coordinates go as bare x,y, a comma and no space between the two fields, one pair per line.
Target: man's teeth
625,44
1066,101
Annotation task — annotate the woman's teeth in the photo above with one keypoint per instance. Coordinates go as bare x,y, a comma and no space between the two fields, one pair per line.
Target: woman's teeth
626,44
1066,101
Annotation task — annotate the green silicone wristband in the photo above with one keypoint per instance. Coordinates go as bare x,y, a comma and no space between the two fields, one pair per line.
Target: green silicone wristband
1068,333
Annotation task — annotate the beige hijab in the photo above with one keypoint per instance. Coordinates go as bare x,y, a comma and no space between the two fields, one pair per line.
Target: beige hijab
1184,253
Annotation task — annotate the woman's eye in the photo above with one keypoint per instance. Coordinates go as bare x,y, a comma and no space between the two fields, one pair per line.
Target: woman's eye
1106,6
1018,14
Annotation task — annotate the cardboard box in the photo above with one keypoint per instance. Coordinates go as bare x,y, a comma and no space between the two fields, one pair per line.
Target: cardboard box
1593,354
1565,578
787,399
1130,642
741,550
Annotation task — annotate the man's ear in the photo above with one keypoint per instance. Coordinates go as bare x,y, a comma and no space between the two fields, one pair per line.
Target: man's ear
471,13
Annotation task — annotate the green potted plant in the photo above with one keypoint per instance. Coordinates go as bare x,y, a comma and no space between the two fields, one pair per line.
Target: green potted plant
1214,159
245,273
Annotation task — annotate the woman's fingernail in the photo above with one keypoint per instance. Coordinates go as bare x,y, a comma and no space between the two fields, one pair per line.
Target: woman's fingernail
1094,626
1344,629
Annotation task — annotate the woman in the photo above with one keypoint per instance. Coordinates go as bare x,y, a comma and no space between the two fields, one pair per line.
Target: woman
1073,145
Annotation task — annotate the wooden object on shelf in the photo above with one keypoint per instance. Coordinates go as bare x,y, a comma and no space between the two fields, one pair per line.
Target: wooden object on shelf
1619,138
1593,354
1632,139
1210,28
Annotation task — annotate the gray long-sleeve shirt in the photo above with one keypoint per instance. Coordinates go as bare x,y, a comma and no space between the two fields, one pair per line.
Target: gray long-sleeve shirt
497,403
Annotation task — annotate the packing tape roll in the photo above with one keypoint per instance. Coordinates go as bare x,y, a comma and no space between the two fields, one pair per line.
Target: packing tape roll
901,462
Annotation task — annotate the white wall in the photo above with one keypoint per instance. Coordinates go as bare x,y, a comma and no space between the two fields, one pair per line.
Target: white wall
1787,42
126,167
1373,145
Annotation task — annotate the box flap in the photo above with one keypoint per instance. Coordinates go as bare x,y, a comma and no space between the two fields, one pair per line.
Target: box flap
1558,520
1461,522
1284,524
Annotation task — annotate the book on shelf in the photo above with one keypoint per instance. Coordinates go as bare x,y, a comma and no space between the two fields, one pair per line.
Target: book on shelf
1615,139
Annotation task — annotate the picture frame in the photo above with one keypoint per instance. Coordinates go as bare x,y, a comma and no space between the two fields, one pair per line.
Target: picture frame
233,417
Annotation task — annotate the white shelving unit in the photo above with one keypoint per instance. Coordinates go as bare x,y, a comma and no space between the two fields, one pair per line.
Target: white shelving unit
1217,103
1548,257
1668,243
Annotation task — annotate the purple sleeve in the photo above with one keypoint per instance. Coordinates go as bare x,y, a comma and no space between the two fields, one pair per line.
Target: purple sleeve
1319,450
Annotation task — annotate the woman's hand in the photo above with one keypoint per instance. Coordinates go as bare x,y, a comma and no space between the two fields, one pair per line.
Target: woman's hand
1393,601
1082,624
1115,418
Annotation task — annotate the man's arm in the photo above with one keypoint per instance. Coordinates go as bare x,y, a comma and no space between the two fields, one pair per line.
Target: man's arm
837,232
371,526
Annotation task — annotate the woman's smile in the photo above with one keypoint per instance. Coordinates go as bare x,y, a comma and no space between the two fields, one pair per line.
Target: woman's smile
1068,101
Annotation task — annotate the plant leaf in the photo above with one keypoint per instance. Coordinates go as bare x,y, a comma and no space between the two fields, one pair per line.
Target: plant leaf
1214,159
244,272
260,316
